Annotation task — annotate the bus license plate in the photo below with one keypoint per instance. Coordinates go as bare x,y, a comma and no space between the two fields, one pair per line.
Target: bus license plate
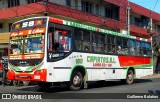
37,77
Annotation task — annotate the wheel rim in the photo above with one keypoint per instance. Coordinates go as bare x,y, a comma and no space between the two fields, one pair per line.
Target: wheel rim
16,83
130,77
8,82
25,82
76,80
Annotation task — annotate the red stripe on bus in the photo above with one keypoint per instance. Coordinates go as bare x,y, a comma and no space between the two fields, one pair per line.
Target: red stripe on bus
132,61
55,20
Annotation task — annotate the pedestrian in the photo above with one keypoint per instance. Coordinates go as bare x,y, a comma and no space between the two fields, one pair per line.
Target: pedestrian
4,77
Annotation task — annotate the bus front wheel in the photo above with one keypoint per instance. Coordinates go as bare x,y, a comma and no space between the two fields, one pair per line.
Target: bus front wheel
130,77
76,82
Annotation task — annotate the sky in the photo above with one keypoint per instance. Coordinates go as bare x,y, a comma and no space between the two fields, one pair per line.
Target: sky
153,5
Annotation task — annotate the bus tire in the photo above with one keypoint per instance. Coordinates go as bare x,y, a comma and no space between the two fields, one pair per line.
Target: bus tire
130,77
8,82
44,85
76,82
16,83
25,83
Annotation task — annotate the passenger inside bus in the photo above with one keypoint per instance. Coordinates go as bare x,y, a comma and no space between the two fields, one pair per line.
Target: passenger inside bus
86,48
119,50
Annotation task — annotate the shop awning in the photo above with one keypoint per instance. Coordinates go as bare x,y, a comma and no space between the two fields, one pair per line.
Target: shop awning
4,37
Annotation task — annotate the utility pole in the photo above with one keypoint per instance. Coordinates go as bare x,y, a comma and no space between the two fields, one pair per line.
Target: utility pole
154,44
128,18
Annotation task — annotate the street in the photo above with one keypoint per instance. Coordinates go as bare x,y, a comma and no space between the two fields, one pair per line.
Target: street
140,86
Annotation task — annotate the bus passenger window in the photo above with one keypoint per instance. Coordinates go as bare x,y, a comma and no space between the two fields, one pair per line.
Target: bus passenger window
138,48
132,47
78,45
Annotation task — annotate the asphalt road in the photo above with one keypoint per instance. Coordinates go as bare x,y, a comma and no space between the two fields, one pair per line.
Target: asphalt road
140,86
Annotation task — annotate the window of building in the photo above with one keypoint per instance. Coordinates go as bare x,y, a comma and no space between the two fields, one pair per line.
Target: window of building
86,6
1,25
112,12
158,28
109,12
97,9
10,26
68,2
32,1
12,3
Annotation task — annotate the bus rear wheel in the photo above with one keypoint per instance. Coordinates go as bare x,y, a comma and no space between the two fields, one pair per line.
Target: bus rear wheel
76,82
130,77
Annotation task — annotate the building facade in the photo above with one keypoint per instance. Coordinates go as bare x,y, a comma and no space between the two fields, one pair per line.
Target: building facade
107,14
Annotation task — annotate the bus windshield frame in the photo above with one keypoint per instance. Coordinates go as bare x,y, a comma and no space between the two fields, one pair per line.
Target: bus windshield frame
27,39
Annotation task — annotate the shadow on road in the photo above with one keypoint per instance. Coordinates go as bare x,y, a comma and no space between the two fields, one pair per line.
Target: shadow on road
143,80
92,85
52,89
154,92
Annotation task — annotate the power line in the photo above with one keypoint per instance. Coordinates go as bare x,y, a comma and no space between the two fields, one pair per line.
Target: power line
155,5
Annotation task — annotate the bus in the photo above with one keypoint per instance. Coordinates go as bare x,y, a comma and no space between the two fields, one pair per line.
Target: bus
49,50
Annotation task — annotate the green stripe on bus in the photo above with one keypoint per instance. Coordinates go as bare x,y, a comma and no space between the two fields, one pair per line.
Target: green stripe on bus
83,26
14,67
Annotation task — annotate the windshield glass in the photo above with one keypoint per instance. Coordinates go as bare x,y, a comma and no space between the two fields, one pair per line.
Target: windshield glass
16,46
34,44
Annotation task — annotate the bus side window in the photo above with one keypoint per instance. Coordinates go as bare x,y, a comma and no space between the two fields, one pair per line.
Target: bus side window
111,44
78,45
138,48
132,47
78,39
148,48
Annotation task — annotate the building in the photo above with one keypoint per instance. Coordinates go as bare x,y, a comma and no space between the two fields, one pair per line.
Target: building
107,14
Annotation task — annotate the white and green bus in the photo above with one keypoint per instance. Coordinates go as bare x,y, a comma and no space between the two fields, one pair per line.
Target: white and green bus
50,50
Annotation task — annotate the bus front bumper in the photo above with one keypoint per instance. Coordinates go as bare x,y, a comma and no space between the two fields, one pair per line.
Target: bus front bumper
39,75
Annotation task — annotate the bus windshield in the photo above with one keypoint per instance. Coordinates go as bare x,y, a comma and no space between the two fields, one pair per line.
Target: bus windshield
27,44
16,46
34,44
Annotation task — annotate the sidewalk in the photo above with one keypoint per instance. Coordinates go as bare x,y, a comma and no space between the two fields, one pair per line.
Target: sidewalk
152,76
